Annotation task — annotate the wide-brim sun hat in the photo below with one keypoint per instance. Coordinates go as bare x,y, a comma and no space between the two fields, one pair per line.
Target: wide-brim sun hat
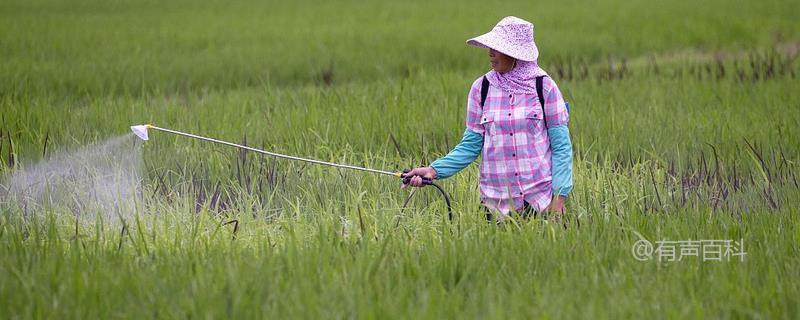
511,36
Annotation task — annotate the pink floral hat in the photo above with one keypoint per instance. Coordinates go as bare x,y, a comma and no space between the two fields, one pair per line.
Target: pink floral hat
511,36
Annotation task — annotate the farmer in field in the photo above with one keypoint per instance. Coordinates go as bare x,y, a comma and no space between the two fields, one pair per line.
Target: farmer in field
527,153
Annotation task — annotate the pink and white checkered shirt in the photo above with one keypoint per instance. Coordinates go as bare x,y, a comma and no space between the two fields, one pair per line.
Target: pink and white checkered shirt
516,163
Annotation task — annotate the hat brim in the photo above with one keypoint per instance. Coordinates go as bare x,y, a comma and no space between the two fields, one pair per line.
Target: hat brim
524,52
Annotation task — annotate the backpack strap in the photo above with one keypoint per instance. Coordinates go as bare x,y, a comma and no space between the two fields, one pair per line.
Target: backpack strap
484,90
539,93
539,89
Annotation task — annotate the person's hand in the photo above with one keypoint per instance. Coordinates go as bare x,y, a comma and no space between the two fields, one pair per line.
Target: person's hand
557,205
556,209
416,175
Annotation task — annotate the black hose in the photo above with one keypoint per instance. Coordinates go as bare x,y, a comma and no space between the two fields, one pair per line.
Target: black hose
446,200
429,182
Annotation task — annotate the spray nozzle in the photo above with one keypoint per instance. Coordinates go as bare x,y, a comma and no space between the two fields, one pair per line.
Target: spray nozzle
141,131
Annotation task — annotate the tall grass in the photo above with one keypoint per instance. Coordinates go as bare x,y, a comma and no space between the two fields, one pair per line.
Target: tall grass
684,123
91,48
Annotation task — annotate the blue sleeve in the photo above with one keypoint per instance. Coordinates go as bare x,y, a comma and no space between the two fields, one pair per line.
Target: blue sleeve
461,156
561,147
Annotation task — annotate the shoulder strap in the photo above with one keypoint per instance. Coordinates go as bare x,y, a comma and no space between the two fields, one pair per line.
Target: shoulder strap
484,90
539,89
539,93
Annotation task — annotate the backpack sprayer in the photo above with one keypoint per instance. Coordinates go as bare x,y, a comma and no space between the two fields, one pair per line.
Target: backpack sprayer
141,132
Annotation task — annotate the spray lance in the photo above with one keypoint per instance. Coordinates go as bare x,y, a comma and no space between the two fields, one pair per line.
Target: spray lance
141,132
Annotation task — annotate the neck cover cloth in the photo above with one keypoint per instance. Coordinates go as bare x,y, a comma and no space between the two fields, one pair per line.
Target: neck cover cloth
520,80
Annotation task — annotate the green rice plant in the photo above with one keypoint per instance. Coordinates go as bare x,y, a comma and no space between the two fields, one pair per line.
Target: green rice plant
684,123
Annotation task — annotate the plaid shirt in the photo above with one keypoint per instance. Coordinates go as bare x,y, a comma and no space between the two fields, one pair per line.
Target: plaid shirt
516,163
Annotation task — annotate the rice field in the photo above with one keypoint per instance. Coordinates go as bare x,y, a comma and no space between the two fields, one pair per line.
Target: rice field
685,124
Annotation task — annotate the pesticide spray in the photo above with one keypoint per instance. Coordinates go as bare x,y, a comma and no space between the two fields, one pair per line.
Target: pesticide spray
99,180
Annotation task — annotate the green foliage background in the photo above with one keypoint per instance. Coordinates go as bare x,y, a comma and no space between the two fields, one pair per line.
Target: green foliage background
684,123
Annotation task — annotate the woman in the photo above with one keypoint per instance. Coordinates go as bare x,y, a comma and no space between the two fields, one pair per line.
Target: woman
527,152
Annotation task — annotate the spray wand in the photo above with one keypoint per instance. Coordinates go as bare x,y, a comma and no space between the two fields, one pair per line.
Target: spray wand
141,132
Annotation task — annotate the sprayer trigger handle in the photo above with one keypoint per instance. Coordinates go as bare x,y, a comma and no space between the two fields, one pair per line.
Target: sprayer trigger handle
407,179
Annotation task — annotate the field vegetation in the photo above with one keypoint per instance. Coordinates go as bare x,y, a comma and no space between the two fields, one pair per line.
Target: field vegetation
685,122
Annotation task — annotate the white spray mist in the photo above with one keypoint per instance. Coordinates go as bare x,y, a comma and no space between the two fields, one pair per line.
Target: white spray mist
103,179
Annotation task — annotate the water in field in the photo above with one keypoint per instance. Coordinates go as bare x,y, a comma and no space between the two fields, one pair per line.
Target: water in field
102,179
